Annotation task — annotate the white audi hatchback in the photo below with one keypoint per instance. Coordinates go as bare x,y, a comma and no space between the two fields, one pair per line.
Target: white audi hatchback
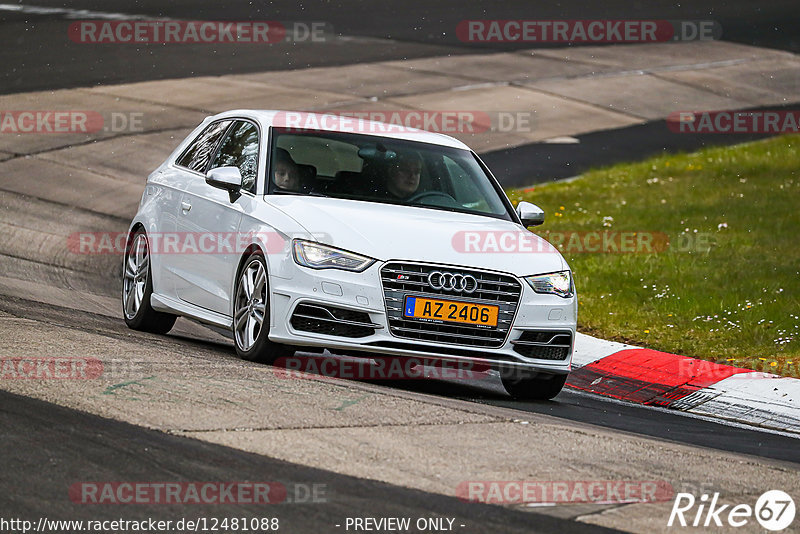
298,232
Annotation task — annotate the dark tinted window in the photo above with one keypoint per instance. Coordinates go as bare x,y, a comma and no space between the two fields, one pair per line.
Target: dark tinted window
240,149
201,150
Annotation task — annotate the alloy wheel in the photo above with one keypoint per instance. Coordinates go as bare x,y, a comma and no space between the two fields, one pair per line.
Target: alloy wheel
251,304
137,266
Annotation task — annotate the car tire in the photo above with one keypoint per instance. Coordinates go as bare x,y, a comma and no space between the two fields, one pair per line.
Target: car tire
137,287
251,314
540,387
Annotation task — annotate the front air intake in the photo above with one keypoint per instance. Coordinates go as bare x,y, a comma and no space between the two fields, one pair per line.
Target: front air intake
332,321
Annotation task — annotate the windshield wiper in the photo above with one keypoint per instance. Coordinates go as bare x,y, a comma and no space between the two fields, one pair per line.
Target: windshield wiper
457,210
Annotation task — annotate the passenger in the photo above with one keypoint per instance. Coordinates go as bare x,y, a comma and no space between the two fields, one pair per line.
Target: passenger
286,173
404,176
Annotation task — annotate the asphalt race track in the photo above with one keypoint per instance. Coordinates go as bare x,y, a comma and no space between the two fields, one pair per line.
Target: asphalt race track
34,55
191,411
555,161
44,446
47,448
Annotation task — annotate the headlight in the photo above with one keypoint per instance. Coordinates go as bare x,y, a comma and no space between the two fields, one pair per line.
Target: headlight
559,283
318,256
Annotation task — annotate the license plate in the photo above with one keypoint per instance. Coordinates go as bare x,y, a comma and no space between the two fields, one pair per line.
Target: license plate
450,311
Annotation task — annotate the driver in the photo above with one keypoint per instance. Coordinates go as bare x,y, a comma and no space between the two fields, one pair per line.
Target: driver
403,177
286,174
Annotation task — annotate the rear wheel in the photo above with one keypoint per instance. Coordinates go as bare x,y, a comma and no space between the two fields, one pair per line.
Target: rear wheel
538,387
251,315
137,286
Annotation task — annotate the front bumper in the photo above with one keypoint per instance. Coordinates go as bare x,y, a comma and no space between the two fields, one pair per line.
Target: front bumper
364,293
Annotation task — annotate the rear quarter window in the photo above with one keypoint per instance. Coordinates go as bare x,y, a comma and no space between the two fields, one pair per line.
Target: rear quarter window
201,150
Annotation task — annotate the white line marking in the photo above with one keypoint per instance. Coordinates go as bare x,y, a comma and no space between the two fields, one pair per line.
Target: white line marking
481,85
562,140
724,422
74,13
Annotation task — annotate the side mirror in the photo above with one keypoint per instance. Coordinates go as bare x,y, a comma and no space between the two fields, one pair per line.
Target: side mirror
226,178
530,214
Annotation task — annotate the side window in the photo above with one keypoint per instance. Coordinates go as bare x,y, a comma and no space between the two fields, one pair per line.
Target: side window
240,149
199,153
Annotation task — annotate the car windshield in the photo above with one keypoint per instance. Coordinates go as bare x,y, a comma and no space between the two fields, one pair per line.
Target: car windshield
379,169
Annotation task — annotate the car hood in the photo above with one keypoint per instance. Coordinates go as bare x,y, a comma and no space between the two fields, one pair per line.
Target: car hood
390,232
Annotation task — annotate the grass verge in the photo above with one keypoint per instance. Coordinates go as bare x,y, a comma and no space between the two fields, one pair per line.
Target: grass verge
724,288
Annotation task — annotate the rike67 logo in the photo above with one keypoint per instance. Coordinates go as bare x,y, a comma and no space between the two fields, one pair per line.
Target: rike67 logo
774,510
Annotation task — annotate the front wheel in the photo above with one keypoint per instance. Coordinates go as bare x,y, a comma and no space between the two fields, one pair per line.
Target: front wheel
539,387
137,286
251,315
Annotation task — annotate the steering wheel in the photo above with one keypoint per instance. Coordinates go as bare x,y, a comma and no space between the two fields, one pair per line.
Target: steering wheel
430,194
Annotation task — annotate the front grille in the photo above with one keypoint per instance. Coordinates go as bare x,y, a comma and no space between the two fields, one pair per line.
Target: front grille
403,278
544,344
332,321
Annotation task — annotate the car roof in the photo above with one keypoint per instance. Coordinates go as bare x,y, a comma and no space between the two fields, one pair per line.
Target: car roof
340,122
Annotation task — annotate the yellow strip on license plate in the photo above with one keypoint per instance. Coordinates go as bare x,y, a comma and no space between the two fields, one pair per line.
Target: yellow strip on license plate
450,311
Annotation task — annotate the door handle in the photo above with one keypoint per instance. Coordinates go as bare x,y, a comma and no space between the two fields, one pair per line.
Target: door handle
185,206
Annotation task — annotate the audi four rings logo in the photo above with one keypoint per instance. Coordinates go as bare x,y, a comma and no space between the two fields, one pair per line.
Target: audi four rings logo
462,283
